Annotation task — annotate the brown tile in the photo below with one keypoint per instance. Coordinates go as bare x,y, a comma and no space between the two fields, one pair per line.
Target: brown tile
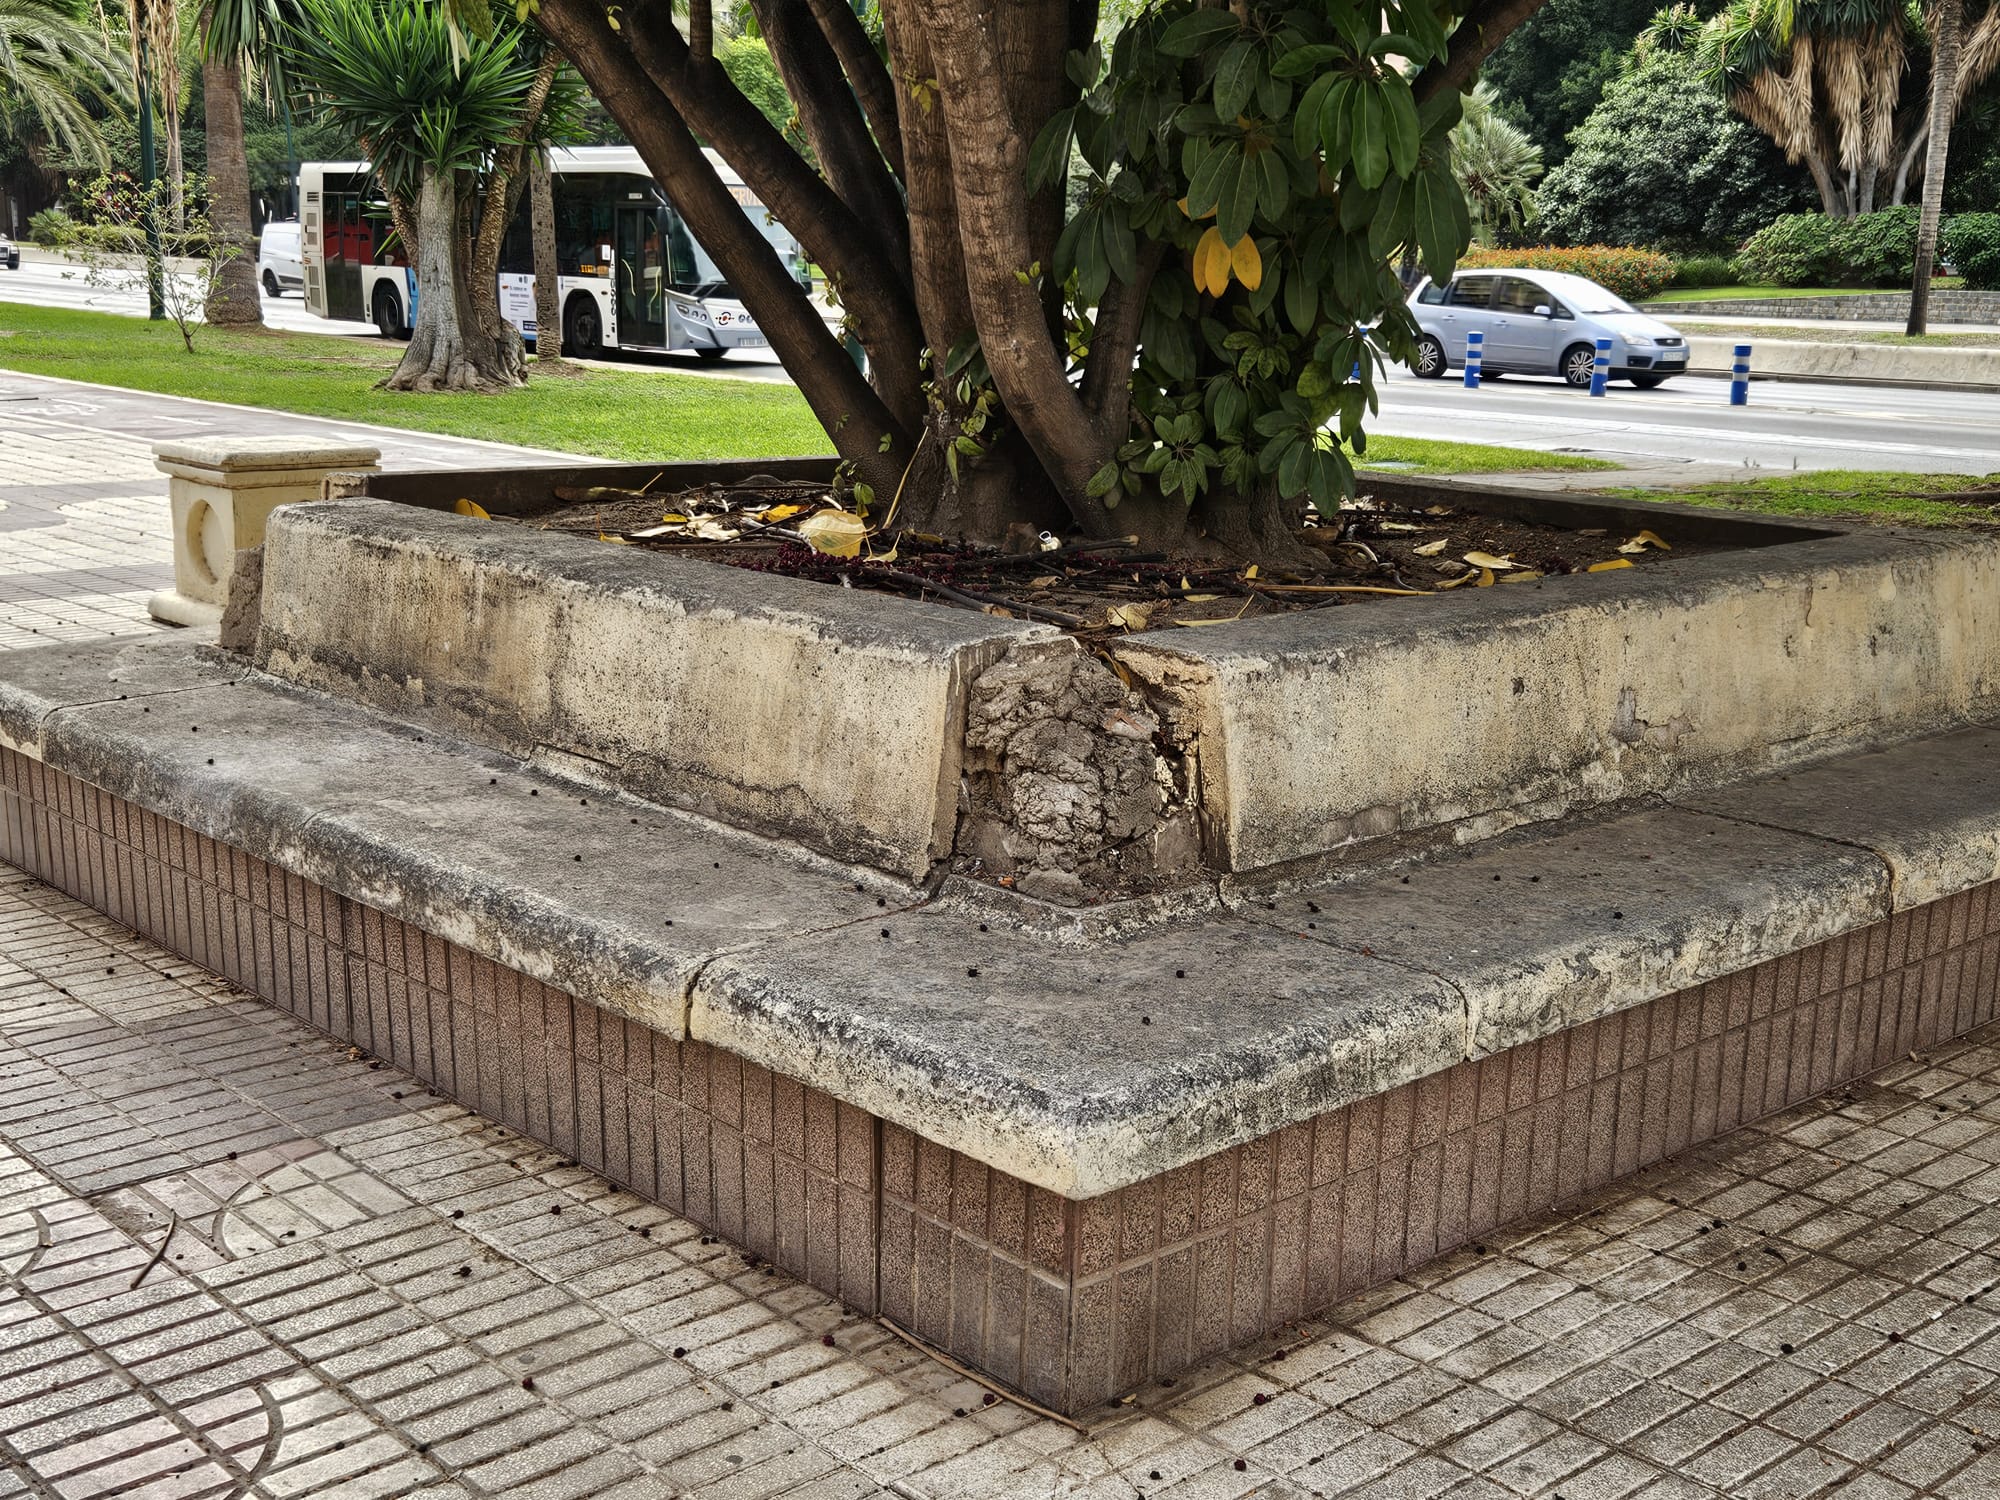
970,1195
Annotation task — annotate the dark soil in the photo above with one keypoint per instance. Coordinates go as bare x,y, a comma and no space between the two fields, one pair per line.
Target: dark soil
1368,553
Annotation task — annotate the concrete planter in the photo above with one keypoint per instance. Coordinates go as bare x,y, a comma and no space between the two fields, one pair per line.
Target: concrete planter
527,838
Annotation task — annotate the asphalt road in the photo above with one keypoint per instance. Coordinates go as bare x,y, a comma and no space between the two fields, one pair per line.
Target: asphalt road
1685,429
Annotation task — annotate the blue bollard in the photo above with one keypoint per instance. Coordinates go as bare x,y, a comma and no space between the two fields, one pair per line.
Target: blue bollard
1600,371
1475,351
1739,377
1364,330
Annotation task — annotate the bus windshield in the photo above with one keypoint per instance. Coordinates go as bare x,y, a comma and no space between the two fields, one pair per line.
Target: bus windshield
695,272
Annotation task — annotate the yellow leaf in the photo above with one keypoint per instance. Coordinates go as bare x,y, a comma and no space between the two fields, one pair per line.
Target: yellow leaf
1131,616
837,533
1251,571
1432,549
1488,560
1486,578
1047,581
1201,598
1462,579
1247,263
1606,567
1211,263
616,541
673,518
1644,540
471,508
1181,204
779,513
1523,577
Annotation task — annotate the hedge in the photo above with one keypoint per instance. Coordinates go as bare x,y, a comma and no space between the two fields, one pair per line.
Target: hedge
1971,243
1878,249
1632,274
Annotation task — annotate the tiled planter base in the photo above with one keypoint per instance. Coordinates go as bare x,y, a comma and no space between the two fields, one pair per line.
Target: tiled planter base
1071,1301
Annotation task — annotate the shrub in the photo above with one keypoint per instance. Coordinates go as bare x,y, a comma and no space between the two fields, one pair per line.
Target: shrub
1706,270
51,226
1971,243
1632,274
1878,249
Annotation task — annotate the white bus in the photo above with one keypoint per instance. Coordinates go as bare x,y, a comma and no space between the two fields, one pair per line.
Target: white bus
632,276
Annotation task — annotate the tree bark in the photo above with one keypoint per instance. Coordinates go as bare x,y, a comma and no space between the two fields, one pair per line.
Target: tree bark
1483,27
233,298
446,352
1944,102
865,73
548,294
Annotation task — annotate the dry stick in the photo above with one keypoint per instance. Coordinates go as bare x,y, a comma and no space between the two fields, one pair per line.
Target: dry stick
975,598
1334,588
173,1223
978,1379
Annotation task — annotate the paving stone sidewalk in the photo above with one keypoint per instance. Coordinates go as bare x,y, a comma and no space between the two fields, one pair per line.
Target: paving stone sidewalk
242,1260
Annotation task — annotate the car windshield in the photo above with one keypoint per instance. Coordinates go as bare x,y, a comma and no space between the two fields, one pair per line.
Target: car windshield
1597,300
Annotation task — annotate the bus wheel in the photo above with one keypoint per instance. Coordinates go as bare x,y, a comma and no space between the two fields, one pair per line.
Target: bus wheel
709,352
389,314
583,328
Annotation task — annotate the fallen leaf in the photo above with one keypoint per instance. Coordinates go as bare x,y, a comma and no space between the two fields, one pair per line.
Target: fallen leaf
1486,578
1401,526
1131,616
1205,622
1644,540
1489,561
1432,549
1521,577
1201,598
779,513
674,518
1047,581
1606,567
837,533
653,531
1460,581
471,508
711,530
1251,571
616,541
1437,510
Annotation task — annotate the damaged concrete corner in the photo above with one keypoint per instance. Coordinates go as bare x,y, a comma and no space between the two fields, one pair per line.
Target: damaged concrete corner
1072,785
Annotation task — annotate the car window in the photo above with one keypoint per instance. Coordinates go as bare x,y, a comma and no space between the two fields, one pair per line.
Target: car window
1518,296
1473,291
1433,294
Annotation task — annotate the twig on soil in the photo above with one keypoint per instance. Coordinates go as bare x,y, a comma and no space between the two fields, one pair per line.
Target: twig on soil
1335,588
976,599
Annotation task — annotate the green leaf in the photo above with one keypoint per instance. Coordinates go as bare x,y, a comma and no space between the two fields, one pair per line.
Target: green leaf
1236,77
1300,61
1301,299
1205,184
1197,32
1405,133
1121,250
1048,158
1292,469
1305,124
1238,204
1393,42
1228,404
1274,188
1336,124
1103,481
1442,223
1371,144
1441,113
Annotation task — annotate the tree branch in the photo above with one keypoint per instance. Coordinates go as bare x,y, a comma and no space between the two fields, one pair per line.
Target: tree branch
701,32
1483,28
1114,345
848,154
989,159
841,399
866,73
834,235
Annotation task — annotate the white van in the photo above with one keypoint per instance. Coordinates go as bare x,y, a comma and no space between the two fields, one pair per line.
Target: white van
278,258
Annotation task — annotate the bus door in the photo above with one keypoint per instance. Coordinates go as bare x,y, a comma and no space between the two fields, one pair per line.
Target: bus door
641,273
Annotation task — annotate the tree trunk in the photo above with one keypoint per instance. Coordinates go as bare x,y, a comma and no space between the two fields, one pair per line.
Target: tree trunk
233,298
1944,100
548,295
447,352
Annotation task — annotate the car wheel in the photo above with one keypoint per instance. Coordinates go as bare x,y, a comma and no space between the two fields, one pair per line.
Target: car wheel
1649,382
1579,362
388,312
271,288
583,328
1430,361
709,352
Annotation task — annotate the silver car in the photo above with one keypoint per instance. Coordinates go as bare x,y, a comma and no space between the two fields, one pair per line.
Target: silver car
10,254
1541,323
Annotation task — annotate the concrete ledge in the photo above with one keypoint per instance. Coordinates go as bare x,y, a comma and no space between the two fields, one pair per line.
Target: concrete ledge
1079,1053
788,705
617,902
1524,702
1869,364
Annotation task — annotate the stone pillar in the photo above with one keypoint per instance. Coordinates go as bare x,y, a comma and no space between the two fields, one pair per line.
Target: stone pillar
222,489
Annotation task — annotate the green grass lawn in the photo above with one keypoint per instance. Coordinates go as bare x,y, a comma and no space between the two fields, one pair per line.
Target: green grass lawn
1792,331
1738,293
1434,456
1850,494
634,414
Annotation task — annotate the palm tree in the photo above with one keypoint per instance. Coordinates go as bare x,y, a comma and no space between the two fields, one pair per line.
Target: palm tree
1496,164
445,114
237,37
1824,80
1946,58
52,67
153,28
